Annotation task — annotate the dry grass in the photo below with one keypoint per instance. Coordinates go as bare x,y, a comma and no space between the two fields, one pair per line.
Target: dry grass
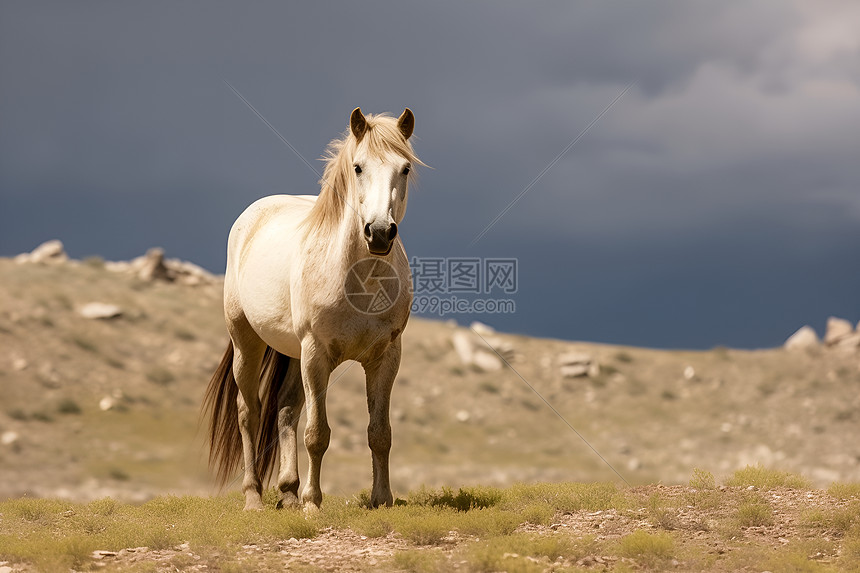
764,478
483,529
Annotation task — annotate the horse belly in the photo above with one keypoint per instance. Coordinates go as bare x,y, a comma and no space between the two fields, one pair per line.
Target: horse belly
264,293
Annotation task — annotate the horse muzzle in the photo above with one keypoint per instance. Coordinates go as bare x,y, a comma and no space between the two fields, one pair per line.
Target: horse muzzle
380,237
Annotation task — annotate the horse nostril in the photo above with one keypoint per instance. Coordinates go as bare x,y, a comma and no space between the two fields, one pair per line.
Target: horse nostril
367,232
392,231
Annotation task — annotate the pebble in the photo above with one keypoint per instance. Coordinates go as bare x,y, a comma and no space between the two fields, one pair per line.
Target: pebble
8,438
99,310
101,554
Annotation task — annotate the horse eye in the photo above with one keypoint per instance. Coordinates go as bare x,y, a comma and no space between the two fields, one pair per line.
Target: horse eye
357,169
406,171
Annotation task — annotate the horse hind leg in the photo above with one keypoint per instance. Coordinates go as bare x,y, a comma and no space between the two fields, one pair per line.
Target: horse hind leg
291,399
247,363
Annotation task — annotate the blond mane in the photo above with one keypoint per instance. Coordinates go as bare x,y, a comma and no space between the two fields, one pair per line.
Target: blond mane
336,186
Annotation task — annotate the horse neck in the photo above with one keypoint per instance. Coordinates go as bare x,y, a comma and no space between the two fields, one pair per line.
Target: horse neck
343,244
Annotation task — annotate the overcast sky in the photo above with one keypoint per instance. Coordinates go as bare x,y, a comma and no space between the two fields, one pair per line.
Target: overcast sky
716,203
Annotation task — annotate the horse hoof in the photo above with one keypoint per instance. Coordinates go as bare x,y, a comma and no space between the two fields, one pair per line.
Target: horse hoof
254,504
311,508
289,501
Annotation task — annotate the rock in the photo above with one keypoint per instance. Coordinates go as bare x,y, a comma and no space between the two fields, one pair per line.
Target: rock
154,267
151,266
805,337
574,370
849,343
49,252
106,403
463,346
486,360
472,351
100,310
5,569
504,348
8,438
576,364
463,416
689,373
19,363
101,554
482,329
837,329
188,273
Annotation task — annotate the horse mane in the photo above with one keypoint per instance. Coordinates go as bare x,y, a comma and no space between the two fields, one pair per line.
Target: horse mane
336,186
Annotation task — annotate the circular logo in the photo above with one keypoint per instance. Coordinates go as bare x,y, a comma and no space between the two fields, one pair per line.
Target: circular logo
371,286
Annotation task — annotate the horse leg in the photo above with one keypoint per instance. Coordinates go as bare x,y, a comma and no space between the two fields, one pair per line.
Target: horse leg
247,363
291,398
316,369
380,379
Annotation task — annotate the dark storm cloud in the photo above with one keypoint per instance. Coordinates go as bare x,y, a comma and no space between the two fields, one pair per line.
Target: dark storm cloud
706,207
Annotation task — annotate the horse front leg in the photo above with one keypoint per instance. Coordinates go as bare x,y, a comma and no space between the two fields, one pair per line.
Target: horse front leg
316,368
380,380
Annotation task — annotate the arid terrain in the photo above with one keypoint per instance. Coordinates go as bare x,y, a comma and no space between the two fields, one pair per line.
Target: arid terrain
110,406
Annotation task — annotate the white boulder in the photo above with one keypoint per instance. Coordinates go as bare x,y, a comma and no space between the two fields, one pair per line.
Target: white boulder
151,267
474,351
837,329
99,310
49,252
576,364
805,337
482,329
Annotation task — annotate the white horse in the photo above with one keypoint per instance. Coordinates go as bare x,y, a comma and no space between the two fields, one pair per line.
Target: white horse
311,282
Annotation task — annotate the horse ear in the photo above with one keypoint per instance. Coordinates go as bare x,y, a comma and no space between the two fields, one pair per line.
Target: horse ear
406,122
357,123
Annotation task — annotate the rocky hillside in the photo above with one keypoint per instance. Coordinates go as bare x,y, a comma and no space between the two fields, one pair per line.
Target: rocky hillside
103,365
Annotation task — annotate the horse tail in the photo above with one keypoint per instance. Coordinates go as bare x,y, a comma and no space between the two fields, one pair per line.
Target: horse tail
220,399
273,374
225,442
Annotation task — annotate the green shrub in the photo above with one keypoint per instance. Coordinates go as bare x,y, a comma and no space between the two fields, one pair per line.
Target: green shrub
702,479
843,490
647,547
160,375
417,561
754,512
511,553
564,496
464,499
763,478
68,406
